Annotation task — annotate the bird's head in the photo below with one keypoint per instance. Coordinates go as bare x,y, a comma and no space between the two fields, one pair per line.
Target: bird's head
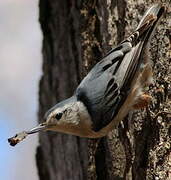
63,113
62,117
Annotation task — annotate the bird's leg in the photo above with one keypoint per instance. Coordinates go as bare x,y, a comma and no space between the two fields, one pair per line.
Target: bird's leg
142,101
22,135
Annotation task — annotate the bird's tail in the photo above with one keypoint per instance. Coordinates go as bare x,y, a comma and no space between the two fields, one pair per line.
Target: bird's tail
148,23
140,40
151,15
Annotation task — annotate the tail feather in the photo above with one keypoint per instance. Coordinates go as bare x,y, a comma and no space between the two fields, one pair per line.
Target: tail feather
147,24
153,13
140,40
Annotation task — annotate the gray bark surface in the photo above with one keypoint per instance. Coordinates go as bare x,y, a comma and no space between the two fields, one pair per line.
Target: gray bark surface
75,35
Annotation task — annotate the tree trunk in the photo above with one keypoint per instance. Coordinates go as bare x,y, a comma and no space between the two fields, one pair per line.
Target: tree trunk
75,35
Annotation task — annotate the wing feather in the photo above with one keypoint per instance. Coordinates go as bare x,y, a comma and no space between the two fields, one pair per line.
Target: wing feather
107,85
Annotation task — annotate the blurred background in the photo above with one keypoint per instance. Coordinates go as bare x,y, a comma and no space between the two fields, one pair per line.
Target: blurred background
20,71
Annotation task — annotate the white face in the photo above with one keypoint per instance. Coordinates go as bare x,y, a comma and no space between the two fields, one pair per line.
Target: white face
70,118
68,114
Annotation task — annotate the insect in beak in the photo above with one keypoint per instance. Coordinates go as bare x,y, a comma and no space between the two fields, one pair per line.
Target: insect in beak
20,136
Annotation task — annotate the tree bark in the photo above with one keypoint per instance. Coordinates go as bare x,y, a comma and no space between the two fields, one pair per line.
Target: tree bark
75,35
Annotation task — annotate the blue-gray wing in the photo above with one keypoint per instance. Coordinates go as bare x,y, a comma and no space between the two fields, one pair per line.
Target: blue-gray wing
107,85
100,90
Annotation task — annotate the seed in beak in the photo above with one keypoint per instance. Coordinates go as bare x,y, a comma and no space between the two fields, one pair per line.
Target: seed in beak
17,138
20,136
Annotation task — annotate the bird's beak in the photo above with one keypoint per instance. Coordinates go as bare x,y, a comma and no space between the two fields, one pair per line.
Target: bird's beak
40,127
20,136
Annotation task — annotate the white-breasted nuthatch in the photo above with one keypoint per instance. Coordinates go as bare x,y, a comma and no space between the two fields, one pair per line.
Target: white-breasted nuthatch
113,87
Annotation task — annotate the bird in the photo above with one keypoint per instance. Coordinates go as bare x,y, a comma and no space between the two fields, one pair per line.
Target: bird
113,87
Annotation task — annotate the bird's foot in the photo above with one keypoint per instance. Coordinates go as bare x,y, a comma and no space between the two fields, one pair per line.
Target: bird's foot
142,101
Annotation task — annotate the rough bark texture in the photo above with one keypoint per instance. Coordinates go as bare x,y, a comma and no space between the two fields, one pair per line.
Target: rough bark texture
76,34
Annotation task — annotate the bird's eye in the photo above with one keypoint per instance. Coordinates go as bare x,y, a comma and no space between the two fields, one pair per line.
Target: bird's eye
58,116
